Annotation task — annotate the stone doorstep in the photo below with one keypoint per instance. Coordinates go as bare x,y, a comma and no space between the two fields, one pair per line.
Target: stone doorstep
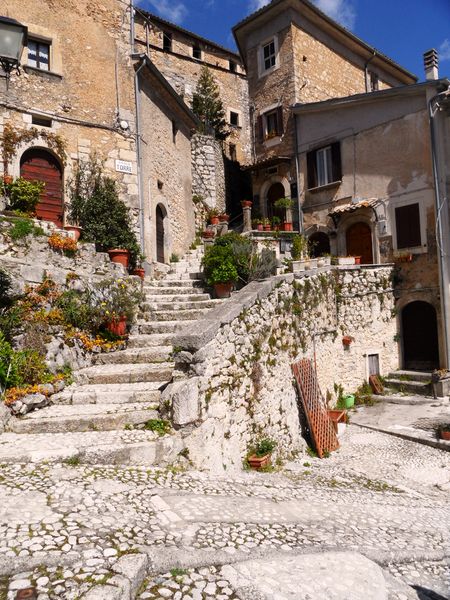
57,422
100,396
181,315
149,327
124,373
424,376
416,387
156,354
102,450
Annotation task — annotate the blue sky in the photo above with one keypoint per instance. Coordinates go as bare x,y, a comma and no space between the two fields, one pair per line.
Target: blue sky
401,29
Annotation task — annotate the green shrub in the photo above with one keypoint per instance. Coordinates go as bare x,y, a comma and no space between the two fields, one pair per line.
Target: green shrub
23,195
158,426
21,229
265,446
241,248
5,289
263,265
300,248
31,367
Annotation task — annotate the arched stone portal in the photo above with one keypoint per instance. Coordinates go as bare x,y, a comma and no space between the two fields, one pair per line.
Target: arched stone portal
160,233
276,191
319,244
420,337
37,164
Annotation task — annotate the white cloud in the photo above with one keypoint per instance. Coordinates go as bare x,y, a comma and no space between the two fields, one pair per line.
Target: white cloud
444,50
342,11
172,11
257,4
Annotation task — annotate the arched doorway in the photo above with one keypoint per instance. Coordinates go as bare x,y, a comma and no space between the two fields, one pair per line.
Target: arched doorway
359,242
160,237
319,244
276,191
37,164
420,337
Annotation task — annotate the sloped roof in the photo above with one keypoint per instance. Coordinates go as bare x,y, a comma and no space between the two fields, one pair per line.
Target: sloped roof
352,206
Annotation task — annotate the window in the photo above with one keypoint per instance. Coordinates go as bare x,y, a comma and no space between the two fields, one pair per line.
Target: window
374,82
39,55
270,124
167,42
41,121
324,166
407,226
234,119
269,55
233,153
233,66
197,52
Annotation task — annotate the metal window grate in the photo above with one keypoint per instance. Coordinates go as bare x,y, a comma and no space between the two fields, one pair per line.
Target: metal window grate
320,425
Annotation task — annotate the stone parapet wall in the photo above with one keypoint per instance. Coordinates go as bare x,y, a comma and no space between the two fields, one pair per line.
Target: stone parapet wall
234,381
208,171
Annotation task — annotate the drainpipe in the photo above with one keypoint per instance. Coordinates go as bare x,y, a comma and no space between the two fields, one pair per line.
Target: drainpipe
366,70
137,93
297,174
441,206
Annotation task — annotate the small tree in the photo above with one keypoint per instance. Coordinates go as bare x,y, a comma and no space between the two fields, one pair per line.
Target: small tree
207,105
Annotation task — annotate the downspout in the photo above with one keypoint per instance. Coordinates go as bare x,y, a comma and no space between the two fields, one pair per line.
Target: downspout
443,270
137,93
297,174
366,70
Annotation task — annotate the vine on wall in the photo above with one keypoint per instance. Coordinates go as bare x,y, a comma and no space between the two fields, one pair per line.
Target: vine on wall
12,138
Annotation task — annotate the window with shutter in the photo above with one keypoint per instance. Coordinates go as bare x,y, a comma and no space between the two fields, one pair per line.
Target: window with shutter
324,166
407,226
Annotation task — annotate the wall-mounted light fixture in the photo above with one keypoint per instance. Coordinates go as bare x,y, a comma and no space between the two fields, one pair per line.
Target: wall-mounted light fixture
13,38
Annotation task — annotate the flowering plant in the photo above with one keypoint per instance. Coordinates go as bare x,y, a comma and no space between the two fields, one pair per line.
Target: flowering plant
62,244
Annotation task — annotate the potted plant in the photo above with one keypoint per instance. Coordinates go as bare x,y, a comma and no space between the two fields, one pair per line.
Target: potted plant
222,278
208,234
260,456
75,229
120,256
357,260
266,224
213,216
139,269
224,218
276,221
118,301
286,204
347,341
246,203
444,431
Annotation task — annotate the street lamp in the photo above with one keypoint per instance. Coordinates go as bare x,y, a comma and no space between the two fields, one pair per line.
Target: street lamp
13,37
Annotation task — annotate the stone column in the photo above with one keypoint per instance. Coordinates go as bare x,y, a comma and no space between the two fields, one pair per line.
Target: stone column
247,213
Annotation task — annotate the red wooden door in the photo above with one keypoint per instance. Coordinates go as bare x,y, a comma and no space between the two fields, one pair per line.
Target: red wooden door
359,242
39,165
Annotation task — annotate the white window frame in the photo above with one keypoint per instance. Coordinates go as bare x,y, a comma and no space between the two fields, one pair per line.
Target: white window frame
423,204
239,114
325,175
43,42
262,71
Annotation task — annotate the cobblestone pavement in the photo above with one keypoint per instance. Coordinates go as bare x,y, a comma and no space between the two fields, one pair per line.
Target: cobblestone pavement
371,521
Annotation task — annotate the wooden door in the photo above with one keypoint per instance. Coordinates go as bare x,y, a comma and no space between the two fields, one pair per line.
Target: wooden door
159,235
374,364
40,165
420,337
359,242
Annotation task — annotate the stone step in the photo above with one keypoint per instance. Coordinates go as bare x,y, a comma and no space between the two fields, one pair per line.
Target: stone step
424,376
124,373
158,354
183,276
173,305
182,283
180,315
149,340
412,387
177,297
150,327
152,291
110,393
144,448
87,417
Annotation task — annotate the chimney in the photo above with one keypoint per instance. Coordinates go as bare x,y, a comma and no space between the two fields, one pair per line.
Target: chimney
431,62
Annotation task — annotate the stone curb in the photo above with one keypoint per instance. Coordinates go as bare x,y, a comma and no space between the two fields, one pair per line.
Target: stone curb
438,444
130,570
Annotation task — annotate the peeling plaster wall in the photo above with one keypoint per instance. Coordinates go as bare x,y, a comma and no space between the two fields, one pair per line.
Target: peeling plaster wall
234,381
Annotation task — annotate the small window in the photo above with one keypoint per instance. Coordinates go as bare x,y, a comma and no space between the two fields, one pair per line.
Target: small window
234,119
167,42
233,153
324,166
232,66
39,55
407,225
269,55
41,121
374,82
270,124
197,52
174,131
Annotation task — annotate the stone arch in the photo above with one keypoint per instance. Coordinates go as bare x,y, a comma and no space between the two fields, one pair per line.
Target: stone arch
263,194
348,223
161,233
40,164
419,335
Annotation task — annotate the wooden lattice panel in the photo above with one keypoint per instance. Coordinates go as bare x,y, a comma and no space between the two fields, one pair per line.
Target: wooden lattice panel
320,425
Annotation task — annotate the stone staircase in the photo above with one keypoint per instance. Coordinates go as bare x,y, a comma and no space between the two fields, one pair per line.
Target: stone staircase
95,419
407,387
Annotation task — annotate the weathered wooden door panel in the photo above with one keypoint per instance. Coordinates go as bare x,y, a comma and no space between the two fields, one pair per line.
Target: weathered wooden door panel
359,242
159,235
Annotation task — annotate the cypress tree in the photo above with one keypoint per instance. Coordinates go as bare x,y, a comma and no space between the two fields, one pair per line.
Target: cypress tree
207,105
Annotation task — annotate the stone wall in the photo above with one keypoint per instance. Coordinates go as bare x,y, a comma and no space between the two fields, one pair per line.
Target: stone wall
234,381
208,172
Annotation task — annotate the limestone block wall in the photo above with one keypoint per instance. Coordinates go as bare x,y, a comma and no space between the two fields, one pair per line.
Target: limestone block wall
208,171
235,381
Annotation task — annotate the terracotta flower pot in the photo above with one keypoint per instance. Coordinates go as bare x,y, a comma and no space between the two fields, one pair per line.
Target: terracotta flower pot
246,203
76,231
445,434
118,327
287,227
214,220
260,227
259,462
357,260
223,290
267,228
119,256
224,218
208,234
139,272
347,340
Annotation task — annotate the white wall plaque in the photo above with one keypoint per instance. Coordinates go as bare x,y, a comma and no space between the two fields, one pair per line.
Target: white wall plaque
124,166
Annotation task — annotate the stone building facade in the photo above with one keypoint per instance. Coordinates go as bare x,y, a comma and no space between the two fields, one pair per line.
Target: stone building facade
294,53
377,200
